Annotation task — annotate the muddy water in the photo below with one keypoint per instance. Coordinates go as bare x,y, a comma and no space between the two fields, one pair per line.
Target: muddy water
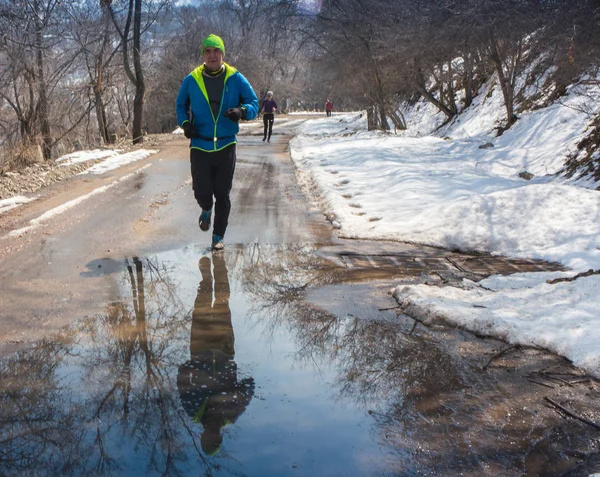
257,362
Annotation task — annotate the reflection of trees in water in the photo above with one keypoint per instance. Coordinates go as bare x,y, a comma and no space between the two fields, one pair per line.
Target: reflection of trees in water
39,431
377,364
376,360
125,399
133,349
276,278
437,414
394,375
279,275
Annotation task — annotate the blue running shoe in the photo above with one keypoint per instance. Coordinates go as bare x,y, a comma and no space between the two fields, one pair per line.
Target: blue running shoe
217,242
204,221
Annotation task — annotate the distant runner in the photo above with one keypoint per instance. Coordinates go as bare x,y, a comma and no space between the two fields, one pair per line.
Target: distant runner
268,109
329,107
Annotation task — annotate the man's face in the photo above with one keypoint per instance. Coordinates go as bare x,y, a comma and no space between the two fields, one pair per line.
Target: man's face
213,58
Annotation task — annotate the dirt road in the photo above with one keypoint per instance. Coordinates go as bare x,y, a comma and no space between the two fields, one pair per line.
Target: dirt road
49,273
116,300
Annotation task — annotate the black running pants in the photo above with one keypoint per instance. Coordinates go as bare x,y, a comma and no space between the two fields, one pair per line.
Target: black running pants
212,177
268,119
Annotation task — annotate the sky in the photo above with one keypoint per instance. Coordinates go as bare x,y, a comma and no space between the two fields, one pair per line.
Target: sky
435,186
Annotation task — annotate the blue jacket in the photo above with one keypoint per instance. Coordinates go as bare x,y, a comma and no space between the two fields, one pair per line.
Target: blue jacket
217,133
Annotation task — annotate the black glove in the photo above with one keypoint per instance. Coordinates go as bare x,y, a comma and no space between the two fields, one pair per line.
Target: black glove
235,114
189,130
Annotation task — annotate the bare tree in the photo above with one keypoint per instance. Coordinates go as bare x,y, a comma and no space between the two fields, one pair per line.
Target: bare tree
180,55
371,54
131,21
95,48
132,47
27,39
348,31
509,33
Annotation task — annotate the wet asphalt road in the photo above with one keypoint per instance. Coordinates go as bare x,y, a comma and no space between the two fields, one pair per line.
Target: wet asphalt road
130,349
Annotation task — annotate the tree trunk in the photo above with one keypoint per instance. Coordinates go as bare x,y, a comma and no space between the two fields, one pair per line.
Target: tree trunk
383,117
42,106
468,79
140,86
25,116
399,120
138,109
101,117
419,82
380,98
371,119
506,78
99,79
433,100
507,92
450,95
136,77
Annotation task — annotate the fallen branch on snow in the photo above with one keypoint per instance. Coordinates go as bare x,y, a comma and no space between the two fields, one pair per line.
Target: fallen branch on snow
591,271
572,414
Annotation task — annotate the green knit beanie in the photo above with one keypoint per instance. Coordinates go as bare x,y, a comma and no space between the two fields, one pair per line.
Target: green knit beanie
213,41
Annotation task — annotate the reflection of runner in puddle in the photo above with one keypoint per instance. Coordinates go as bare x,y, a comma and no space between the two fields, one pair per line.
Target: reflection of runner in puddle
208,384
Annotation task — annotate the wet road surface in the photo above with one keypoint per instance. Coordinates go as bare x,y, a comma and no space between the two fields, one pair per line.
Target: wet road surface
146,354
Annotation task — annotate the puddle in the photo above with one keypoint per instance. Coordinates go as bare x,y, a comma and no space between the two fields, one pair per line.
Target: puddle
215,365
185,372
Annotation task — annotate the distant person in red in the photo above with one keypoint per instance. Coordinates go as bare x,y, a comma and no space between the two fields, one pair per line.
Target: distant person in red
328,107
268,109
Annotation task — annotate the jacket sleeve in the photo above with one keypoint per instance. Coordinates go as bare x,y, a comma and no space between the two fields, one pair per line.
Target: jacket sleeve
248,98
182,103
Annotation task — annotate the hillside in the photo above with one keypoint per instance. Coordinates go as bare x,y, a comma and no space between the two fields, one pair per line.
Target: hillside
556,137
